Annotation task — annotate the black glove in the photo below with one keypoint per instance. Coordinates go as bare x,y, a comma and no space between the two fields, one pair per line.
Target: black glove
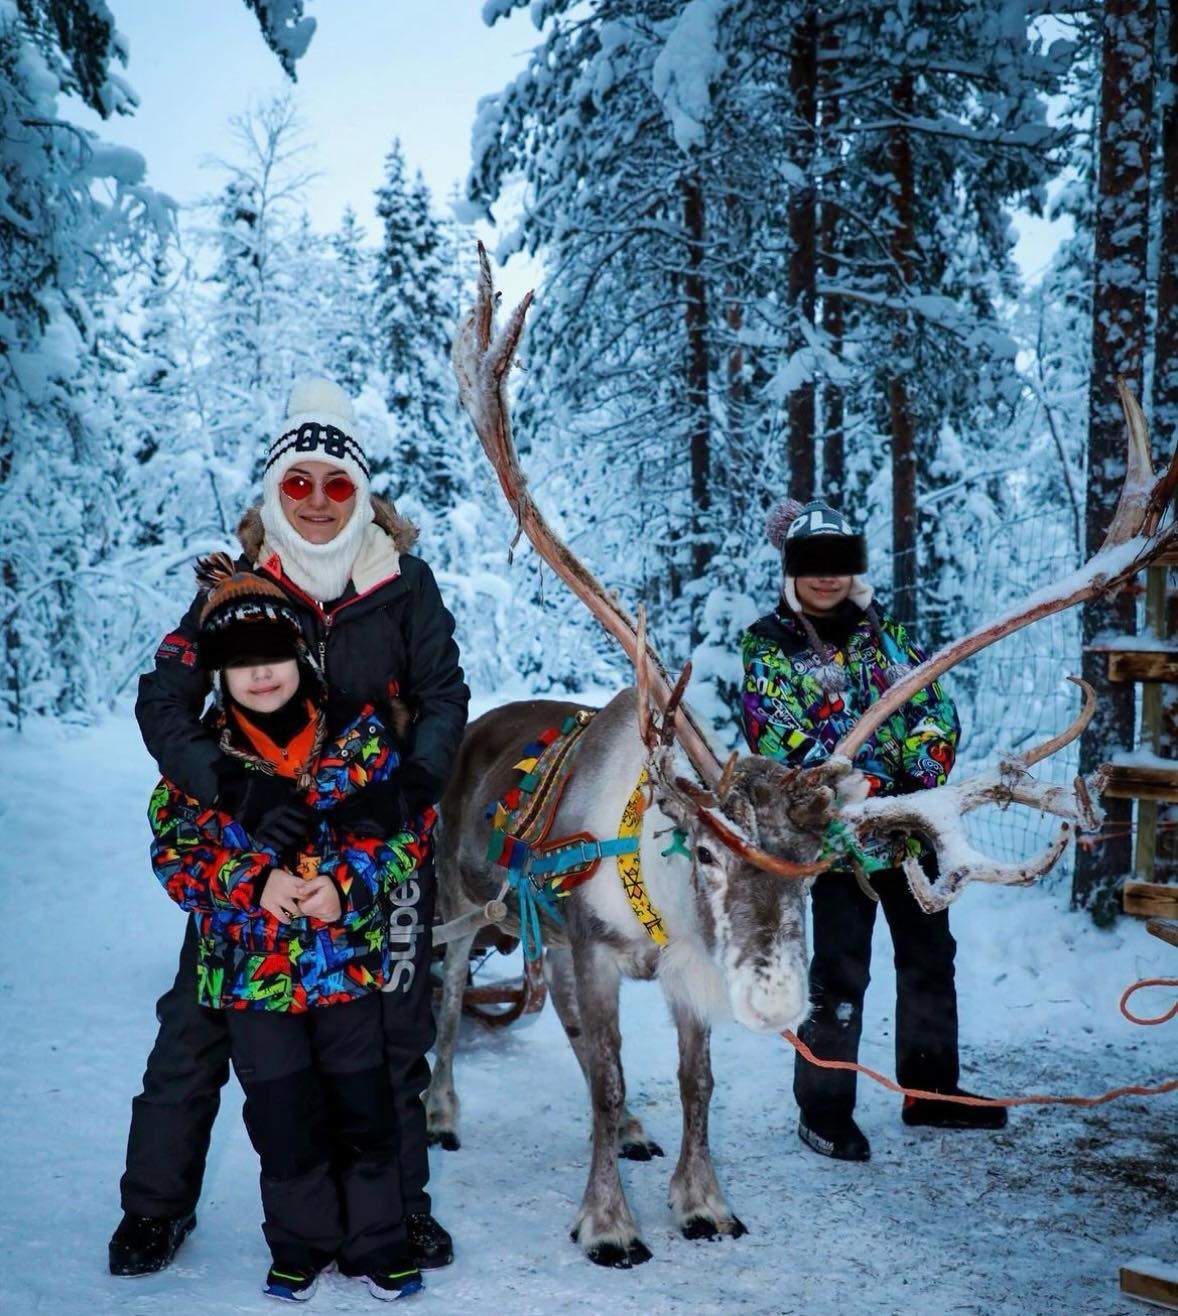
233,786
377,810
284,828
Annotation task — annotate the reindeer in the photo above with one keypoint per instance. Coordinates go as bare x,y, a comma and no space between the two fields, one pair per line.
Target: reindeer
733,906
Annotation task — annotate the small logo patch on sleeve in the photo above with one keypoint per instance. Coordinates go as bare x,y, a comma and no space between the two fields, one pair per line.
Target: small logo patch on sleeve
176,648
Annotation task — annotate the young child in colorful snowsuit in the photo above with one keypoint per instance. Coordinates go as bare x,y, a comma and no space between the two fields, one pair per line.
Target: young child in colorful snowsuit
292,920
811,667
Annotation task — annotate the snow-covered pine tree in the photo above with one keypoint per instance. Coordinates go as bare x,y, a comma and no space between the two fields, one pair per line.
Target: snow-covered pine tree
668,151
937,127
413,323
645,332
76,216
262,329
72,204
347,307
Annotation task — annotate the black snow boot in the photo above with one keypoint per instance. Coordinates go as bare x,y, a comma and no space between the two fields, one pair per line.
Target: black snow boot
429,1244
836,1136
143,1244
925,1112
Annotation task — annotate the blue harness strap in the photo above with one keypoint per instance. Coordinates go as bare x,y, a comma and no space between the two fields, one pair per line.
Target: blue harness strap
531,903
579,854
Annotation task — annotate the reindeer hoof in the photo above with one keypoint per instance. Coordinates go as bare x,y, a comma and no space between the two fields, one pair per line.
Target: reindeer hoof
615,1255
704,1227
643,1149
444,1138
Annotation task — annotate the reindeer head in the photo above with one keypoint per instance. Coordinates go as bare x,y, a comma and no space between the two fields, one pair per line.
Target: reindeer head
753,921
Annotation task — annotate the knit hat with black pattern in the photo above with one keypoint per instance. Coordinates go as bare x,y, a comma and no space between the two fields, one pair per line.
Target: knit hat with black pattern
245,617
815,539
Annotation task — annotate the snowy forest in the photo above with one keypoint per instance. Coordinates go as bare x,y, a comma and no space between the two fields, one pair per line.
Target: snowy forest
776,250
890,254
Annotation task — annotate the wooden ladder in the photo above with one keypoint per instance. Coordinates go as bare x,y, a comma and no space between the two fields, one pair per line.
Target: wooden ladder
1151,785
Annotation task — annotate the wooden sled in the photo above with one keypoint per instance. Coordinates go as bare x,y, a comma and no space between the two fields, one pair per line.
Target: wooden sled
498,1003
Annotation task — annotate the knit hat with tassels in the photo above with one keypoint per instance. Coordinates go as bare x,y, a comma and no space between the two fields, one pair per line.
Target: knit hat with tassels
245,616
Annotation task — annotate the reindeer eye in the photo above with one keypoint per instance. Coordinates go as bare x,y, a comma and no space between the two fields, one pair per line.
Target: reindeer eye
704,855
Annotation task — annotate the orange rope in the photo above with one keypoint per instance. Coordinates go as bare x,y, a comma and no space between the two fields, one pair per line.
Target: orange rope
1132,1090
1149,982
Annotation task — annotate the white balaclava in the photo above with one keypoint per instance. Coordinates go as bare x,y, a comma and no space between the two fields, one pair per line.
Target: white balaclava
320,425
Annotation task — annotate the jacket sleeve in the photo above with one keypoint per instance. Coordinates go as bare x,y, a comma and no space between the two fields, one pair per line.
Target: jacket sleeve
931,729
171,700
772,713
438,691
201,857
366,868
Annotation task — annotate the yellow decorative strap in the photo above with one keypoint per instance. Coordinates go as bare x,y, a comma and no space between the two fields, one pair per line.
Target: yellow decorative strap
630,866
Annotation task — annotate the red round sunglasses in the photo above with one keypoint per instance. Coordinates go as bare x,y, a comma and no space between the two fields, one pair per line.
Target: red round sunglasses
338,487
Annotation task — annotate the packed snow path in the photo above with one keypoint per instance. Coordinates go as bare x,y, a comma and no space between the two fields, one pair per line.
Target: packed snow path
1035,1219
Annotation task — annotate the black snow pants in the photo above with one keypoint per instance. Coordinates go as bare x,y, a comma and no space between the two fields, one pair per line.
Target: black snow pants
319,1111
172,1118
926,998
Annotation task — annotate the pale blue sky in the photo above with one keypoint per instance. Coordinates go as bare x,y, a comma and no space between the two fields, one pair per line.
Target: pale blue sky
375,69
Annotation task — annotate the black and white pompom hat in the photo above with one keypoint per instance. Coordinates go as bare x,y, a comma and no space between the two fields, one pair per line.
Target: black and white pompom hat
320,425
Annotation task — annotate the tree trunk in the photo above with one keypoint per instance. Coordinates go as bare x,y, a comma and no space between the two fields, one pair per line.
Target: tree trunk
695,311
900,410
802,272
736,389
834,458
1118,348
1165,385
12,654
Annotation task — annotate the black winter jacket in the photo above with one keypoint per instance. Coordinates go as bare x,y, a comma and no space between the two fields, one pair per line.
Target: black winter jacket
396,639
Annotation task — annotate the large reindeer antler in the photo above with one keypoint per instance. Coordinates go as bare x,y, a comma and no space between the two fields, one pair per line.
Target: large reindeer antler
1135,538
482,358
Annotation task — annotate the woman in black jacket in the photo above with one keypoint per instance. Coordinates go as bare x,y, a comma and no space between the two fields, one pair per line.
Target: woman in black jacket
374,619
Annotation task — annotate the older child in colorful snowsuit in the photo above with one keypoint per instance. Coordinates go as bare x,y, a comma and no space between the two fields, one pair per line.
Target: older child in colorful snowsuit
811,667
292,922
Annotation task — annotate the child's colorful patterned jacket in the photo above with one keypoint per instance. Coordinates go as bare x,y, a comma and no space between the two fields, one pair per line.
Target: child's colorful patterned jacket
208,864
788,715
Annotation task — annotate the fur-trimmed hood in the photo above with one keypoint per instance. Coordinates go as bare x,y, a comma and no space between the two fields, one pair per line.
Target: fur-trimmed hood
402,531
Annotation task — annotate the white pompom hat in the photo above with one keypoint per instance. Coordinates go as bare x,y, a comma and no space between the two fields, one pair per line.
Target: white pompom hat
320,425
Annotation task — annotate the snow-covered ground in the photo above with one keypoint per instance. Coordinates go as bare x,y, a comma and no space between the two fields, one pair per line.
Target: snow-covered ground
1033,1220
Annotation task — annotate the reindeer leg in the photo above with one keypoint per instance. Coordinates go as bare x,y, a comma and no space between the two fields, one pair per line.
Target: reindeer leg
441,1102
604,1227
698,1203
633,1144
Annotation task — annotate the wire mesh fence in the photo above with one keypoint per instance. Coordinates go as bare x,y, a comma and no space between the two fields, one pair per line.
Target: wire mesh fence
1015,693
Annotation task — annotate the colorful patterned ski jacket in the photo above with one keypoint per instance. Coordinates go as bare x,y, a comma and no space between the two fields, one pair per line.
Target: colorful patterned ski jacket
208,863
788,715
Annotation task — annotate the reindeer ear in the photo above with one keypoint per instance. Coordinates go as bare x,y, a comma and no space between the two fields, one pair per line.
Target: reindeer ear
673,805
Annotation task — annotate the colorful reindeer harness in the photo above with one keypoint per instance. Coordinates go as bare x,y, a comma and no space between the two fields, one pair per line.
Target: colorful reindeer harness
541,869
